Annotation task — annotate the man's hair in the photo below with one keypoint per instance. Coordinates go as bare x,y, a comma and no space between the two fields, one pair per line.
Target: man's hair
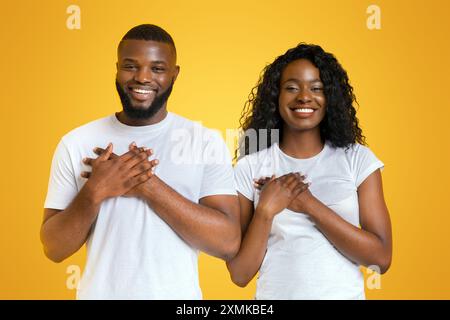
149,32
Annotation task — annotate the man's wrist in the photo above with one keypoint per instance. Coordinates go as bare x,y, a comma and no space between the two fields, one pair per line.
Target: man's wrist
92,194
148,187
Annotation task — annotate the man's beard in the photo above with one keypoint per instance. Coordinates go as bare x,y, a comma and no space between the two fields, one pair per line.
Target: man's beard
138,113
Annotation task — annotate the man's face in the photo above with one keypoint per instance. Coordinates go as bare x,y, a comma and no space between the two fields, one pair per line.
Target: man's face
146,71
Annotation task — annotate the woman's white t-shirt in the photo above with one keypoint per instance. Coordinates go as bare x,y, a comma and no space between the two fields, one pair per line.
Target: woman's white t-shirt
300,263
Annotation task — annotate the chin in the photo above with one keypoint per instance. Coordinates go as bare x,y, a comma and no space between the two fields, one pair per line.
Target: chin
301,125
140,107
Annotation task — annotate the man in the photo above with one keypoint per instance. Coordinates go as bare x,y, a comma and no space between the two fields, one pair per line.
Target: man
143,220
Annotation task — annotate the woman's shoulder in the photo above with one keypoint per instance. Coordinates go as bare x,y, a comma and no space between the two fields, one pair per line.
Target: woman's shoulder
351,151
257,157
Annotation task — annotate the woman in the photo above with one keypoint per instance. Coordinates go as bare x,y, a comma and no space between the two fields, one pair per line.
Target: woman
307,237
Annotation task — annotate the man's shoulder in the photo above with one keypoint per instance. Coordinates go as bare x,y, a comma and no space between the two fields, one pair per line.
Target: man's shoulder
87,130
194,126
180,121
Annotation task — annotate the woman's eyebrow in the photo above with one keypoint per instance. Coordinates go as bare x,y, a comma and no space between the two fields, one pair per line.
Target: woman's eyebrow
297,80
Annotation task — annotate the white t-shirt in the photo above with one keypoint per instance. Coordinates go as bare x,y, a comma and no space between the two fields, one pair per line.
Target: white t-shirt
132,253
300,263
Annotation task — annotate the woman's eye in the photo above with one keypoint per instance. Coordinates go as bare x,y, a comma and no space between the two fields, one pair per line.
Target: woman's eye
316,89
291,88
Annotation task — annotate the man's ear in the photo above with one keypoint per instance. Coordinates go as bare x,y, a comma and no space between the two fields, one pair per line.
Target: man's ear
117,66
177,71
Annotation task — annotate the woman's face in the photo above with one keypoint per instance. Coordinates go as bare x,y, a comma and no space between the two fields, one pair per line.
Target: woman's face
301,102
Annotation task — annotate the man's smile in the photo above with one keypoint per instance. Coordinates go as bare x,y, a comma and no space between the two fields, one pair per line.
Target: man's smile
142,93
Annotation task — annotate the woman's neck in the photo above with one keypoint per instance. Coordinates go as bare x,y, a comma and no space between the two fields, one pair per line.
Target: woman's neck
301,144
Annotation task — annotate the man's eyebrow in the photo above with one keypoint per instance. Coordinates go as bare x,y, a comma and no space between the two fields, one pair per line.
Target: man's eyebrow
129,60
136,61
159,62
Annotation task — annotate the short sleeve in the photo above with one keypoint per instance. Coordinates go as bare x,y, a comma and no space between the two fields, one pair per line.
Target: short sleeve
218,171
243,178
62,187
364,163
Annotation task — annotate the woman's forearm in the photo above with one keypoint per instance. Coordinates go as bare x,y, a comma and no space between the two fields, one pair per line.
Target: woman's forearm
358,245
247,262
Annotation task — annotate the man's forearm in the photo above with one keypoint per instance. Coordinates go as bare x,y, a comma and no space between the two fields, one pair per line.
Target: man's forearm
204,228
65,233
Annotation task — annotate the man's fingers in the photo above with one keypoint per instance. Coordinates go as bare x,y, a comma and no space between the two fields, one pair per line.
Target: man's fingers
141,155
105,155
88,161
134,151
144,166
141,178
99,151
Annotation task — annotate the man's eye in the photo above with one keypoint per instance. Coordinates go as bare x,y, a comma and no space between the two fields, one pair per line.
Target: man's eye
129,66
156,69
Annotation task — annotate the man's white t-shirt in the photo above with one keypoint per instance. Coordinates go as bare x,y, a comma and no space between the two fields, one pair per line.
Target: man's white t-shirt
131,252
300,263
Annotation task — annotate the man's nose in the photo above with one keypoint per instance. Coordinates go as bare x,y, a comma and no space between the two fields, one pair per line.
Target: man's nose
143,75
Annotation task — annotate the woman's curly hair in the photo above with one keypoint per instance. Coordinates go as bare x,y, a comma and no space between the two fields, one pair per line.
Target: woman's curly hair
340,125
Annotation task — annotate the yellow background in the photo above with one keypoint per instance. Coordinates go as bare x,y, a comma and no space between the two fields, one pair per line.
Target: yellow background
54,79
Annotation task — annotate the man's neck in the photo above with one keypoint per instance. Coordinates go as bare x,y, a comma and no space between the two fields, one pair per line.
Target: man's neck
158,117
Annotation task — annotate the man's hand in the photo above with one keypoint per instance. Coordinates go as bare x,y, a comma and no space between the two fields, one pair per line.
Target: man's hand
141,171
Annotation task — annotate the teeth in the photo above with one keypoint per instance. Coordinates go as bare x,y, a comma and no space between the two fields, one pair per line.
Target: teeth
305,110
141,91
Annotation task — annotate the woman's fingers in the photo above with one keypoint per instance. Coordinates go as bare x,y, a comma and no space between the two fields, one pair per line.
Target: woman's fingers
85,174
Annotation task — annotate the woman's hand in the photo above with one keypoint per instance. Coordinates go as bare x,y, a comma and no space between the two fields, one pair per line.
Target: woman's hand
278,193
